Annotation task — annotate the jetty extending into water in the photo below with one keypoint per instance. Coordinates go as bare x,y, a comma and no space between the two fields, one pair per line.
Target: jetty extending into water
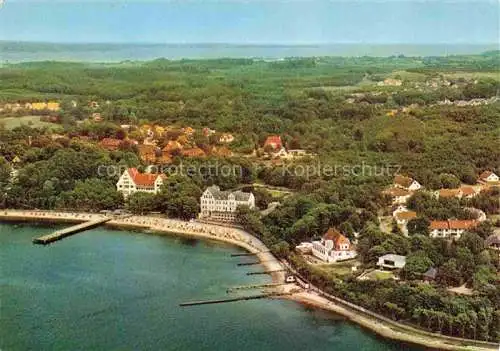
254,286
233,299
59,234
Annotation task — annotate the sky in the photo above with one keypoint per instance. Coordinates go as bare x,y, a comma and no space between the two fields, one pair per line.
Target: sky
251,21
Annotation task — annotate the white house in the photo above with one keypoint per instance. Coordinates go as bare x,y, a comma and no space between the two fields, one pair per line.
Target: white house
391,261
221,205
402,216
333,247
406,183
399,196
488,177
132,181
450,229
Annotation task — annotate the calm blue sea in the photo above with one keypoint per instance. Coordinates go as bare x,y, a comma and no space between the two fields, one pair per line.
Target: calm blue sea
20,52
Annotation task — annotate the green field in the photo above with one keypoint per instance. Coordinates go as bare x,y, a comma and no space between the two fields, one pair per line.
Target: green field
32,121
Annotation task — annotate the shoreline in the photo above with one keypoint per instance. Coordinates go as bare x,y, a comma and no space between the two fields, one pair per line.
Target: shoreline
244,240
162,226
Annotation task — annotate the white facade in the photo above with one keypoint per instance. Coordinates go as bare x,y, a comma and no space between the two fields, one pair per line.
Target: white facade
333,248
451,229
131,181
391,261
221,205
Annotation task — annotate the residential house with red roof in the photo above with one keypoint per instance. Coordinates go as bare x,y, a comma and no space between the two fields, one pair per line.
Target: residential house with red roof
132,181
451,228
273,141
399,196
488,177
193,152
333,247
406,183
110,144
402,216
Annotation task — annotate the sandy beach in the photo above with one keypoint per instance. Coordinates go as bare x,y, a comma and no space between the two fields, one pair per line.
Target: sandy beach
166,226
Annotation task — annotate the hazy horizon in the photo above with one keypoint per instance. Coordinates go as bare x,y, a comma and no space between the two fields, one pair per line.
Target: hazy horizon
298,22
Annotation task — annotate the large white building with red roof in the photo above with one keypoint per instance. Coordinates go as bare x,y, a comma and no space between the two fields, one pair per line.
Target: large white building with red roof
450,229
132,181
333,247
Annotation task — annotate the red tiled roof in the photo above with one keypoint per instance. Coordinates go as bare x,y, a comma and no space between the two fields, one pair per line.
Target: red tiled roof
194,152
468,190
406,215
403,181
453,224
449,192
110,143
438,225
462,224
485,174
397,192
274,141
336,237
143,179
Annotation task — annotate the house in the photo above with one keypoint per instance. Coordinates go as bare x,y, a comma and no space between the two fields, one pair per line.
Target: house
53,106
193,152
226,138
148,153
468,192
274,142
488,177
132,181
110,144
398,195
430,274
221,205
221,151
450,229
448,193
207,132
333,247
493,242
406,183
402,217
164,159
93,104
188,131
391,261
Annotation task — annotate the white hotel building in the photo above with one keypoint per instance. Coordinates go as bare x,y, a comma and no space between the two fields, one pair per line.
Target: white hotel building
221,205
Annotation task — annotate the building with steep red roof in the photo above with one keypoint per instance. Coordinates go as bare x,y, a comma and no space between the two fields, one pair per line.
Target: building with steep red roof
273,141
488,177
451,228
110,144
193,152
132,181
333,247
406,183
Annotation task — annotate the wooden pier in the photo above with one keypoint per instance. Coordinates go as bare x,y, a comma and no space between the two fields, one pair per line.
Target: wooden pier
234,299
248,263
254,286
266,272
247,254
59,234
